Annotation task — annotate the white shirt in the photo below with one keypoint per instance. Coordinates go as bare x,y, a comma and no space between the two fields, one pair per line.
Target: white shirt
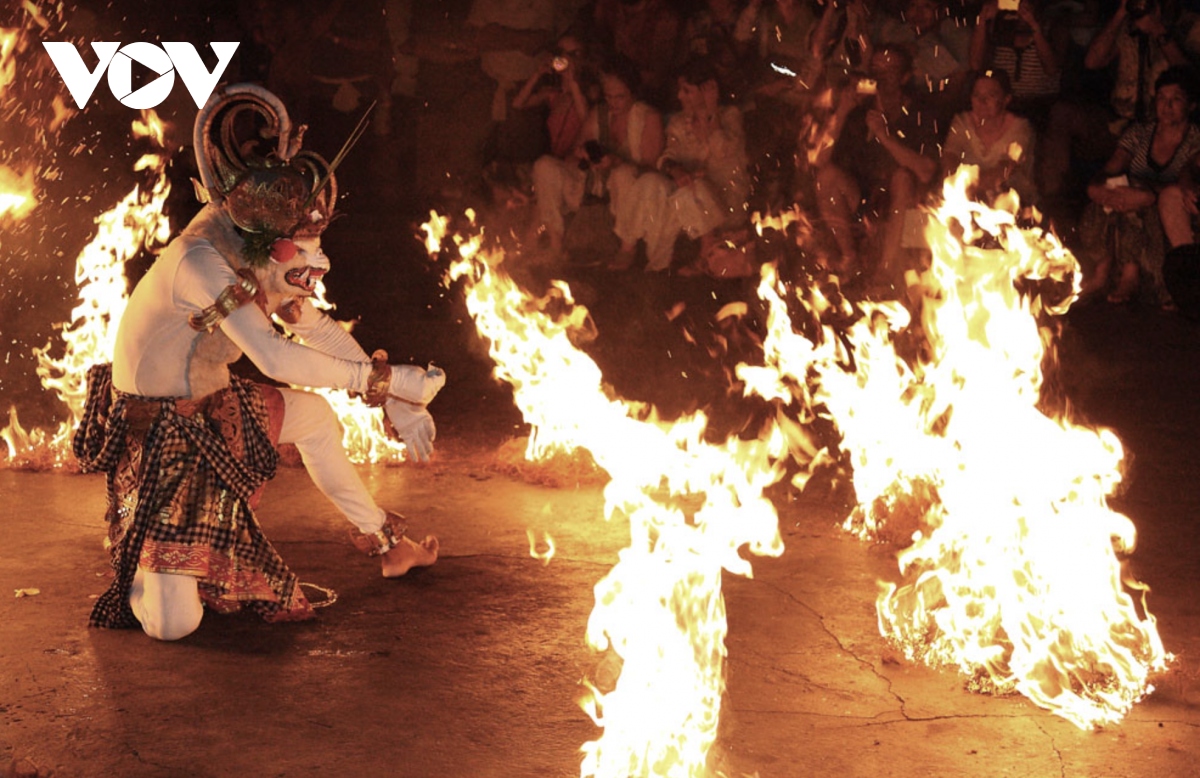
158,354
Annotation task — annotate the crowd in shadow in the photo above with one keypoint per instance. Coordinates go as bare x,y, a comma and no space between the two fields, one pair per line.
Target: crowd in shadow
644,135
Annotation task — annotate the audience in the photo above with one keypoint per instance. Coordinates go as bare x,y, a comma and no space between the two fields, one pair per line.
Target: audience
1135,45
938,49
882,158
849,109
705,159
556,87
994,139
1024,47
1122,225
648,32
620,137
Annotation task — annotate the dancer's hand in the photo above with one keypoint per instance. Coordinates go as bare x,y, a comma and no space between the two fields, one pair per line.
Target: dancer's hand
414,425
416,385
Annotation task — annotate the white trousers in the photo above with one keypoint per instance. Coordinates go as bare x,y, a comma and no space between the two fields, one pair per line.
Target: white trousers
168,604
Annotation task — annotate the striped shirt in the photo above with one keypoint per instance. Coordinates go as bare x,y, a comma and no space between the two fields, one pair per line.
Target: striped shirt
1026,71
1137,141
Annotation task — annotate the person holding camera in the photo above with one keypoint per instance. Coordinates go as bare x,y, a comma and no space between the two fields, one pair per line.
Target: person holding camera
878,156
1011,36
1138,41
555,85
621,138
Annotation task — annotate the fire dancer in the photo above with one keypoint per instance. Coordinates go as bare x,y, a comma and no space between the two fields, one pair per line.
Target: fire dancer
187,446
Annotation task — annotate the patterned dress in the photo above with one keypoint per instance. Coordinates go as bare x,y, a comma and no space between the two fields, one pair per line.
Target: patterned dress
182,477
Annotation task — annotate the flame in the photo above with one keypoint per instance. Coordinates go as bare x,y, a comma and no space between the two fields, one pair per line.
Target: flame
9,40
819,135
691,505
136,221
17,197
780,221
955,450
544,556
365,434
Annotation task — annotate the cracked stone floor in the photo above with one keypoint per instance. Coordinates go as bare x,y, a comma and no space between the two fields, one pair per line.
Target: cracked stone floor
472,667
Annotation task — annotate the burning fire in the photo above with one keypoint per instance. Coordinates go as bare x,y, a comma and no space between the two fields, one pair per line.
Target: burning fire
543,556
955,451
16,193
691,506
16,189
364,433
136,221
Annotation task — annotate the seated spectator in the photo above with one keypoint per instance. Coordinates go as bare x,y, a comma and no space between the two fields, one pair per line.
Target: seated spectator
705,180
779,33
939,48
783,72
875,159
1020,44
1122,223
555,85
711,32
997,141
842,39
1139,43
621,137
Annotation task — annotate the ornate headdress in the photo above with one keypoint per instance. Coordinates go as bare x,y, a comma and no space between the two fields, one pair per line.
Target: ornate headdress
249,158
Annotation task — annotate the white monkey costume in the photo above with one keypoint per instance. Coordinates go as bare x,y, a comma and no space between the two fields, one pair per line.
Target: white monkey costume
185,445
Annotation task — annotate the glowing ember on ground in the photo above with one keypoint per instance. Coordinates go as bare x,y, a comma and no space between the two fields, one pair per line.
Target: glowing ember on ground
544,556
1013,572
691,506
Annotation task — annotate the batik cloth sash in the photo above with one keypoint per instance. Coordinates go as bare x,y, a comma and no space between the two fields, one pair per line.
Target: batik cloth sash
181,476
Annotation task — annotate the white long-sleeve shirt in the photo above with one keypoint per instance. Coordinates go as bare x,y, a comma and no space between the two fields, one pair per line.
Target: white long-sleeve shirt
158,354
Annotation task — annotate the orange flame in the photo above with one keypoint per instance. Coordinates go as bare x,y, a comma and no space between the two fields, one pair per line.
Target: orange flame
9,38
17,196
993,489
691,506
137,221
543,556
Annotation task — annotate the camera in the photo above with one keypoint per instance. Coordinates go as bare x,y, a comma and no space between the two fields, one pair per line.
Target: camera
595,152
1005,28
866,86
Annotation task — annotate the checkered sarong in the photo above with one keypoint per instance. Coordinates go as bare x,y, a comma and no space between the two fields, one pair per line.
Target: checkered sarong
181,474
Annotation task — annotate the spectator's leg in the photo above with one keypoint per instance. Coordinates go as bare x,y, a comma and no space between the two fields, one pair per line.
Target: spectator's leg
654,220
1176,219
550,183
902,195
838,197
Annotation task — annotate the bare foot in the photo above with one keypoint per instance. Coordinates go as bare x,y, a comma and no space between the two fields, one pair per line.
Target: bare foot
409,554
